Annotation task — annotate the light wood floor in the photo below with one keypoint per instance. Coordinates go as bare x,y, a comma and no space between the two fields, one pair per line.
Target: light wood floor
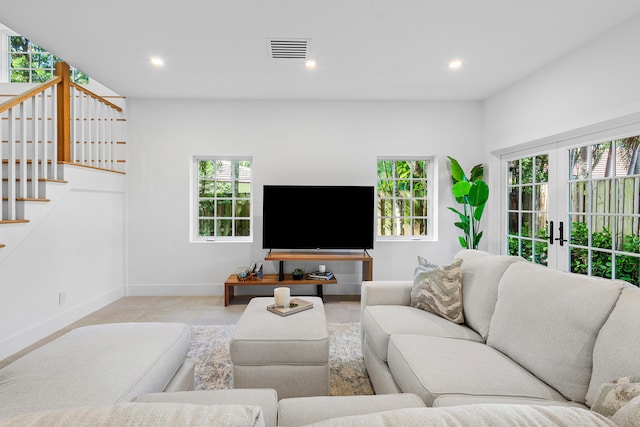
192,310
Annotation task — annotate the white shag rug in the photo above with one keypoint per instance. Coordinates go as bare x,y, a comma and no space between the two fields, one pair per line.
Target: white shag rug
347,377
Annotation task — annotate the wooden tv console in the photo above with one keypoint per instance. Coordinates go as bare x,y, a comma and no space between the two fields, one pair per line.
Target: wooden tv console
281,279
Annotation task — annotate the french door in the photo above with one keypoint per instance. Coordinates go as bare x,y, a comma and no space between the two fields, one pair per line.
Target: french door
576,208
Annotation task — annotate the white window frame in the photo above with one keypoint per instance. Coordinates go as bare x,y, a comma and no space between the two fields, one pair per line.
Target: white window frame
195,202
432,198
5,64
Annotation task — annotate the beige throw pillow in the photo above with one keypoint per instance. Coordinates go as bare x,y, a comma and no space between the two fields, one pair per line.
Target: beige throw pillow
439,291
615,394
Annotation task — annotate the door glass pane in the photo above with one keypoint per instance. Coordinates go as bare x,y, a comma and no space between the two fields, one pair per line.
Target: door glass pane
528,205
604,207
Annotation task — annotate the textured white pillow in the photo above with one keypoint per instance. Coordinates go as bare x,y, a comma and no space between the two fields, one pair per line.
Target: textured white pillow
629,414
439,291
615,394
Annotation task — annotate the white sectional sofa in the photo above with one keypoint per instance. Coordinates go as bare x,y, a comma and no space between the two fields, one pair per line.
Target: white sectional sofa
531,335
534,349
99,365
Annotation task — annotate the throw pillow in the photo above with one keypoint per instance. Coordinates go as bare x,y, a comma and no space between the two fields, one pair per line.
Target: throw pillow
439,291
629,414
615,394
423,265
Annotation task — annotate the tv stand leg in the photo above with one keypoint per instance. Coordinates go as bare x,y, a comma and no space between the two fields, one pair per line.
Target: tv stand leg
281,271
320,294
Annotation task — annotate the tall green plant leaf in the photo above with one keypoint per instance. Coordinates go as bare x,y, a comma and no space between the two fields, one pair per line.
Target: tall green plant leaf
478,193
456,171
477,213
477,173
473,195
461,189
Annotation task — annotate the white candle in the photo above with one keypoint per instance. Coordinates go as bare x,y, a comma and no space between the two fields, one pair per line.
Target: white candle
322,268
282,297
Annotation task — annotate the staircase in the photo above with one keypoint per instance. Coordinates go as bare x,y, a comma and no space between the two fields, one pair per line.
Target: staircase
55,124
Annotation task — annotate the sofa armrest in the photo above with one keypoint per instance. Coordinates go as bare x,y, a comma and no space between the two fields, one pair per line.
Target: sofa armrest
388,292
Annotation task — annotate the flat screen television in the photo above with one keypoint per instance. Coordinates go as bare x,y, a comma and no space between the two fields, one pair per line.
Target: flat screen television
317,217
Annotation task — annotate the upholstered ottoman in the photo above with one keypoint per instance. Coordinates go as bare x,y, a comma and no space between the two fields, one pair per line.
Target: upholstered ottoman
289,354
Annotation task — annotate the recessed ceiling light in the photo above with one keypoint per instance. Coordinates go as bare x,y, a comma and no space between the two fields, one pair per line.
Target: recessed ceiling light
455,64
158,62
310,64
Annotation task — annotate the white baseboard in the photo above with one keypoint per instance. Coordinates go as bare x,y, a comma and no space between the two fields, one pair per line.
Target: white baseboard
33,334
217,289
174,289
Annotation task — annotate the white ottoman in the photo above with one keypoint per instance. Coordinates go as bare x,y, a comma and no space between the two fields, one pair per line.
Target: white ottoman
289,354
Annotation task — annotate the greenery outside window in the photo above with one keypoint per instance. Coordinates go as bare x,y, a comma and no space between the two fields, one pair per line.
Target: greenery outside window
404,199
222,202
29,63
604,209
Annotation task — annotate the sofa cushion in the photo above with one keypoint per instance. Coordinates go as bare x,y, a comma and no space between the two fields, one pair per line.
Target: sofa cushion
381,321
142,414
95,365
613,395
439,291
547,321
481,273
464,399
434,366
266,399
613,356
305,410
476,416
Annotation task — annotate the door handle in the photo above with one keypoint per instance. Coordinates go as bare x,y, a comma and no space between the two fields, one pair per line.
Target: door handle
561,239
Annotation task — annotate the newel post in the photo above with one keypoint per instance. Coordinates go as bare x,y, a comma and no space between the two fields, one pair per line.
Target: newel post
64,112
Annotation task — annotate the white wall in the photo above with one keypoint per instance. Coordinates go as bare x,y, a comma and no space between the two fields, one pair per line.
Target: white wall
77,248
591,93
332,143
595,83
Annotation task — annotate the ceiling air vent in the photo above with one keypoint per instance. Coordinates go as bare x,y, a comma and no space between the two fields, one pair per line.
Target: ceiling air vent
288,48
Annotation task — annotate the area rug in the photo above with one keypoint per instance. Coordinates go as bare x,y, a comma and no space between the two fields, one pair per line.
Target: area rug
347,374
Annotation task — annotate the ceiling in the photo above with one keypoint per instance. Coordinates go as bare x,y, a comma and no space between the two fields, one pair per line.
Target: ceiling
365,49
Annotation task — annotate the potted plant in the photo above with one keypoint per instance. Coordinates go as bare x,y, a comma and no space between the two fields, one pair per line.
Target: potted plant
472,193
297,274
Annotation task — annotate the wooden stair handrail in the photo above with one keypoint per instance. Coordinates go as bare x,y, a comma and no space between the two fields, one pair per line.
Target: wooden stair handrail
28,94
95,96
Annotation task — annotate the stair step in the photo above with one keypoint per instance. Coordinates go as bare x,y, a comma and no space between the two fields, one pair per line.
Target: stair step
27,199
62,181
13,221
18,161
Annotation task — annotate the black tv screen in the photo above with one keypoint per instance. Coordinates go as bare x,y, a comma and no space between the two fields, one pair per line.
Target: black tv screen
317,217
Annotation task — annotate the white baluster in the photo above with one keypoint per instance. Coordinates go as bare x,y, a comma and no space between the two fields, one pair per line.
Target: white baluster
54,131
22,176
83,118
35,166
90,132
45,135
11,167
74,126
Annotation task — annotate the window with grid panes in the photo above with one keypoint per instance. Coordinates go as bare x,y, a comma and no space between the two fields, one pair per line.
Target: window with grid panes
403,199
29,63
222,199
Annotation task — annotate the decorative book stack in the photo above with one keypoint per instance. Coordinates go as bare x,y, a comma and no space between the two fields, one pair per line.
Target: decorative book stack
318,275
297,305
